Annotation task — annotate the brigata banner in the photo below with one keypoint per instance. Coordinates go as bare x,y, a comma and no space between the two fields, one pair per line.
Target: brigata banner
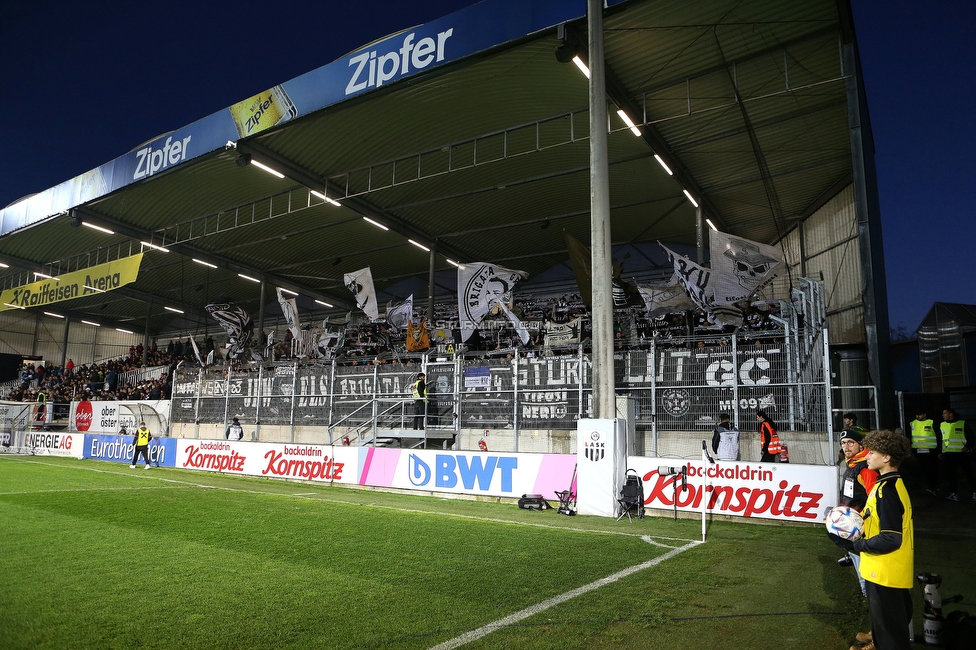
67,286
759,490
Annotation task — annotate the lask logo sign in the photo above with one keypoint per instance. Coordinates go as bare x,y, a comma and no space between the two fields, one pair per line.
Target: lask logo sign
83,416
594,448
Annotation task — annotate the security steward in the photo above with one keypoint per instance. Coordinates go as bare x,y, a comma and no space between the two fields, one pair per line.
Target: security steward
419,391
141,440
235,431
957,447
925,446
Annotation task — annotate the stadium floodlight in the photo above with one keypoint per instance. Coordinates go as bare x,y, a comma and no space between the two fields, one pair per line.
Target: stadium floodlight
663,164
418,245
88,322
375,223
629,122
98,228
4,266
13,306
154,246
119,329
213,266
323,303
262,166
582,66
247,277
53,315
288,291
690,198
324,197
44,275
711,225
173,309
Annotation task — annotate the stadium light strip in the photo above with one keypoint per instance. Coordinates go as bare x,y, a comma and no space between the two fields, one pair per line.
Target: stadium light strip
418,245
629,122
376,223
95,289
4,266
247,277
98,228
45,276
288,291
323,303
582,66
154,247
173,309
690,198
119,329
213,266
273,172
88,322
323,197
712,225
662,163
52,314
452,262
7,304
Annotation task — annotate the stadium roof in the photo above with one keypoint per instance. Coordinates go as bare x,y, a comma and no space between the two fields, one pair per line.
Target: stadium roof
468,134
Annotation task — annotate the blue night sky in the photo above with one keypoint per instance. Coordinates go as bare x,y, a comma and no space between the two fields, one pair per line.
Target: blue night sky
87,82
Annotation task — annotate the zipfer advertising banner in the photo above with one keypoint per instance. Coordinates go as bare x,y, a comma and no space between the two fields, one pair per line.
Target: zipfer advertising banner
764,490
463,33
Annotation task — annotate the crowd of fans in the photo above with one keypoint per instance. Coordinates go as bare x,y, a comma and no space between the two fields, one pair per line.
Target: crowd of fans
361,343
59,385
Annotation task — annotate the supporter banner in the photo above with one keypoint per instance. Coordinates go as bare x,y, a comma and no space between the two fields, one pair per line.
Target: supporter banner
109,417
67,286
665,297
400,314
236,322
482,288
563,334
50,443
757,490
119,449
486,474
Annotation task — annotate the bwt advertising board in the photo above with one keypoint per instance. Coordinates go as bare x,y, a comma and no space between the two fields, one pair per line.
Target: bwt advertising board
764,490
119,449
503,475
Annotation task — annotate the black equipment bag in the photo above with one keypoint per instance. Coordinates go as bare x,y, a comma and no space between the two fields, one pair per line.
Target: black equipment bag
533,502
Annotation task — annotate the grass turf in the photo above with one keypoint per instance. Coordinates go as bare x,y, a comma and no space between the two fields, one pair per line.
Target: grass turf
95,555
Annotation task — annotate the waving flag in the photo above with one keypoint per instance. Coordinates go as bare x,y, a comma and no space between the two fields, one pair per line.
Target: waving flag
290,310
741,267
235,322
483,287
360,284
400,314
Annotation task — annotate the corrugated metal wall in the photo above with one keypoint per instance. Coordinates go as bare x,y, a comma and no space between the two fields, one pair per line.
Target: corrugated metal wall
86,344
831,253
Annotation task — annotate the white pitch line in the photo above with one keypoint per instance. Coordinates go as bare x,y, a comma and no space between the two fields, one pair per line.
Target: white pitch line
511,619
111,489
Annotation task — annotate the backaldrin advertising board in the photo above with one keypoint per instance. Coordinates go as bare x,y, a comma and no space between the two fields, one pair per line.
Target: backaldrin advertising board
764,490
272,460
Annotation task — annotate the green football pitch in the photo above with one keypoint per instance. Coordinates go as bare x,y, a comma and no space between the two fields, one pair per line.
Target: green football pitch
96,555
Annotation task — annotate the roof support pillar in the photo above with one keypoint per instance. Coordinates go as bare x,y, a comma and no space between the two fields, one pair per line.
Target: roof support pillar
600,239
430,283
64,341
261,339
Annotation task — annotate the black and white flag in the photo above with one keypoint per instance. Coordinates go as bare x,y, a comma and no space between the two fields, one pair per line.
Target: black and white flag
400,314
236,322
290,310
665,297
564,334
696,281
741,267
482,288
360,284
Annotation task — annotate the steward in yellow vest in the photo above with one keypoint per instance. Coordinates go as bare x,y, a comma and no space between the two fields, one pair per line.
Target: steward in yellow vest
957,447
141,441
925,444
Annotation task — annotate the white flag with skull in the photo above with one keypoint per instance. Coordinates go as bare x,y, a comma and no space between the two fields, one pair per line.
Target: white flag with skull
741,267
360,284
400,314
483,288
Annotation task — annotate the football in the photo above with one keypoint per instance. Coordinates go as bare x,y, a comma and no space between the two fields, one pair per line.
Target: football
845,522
